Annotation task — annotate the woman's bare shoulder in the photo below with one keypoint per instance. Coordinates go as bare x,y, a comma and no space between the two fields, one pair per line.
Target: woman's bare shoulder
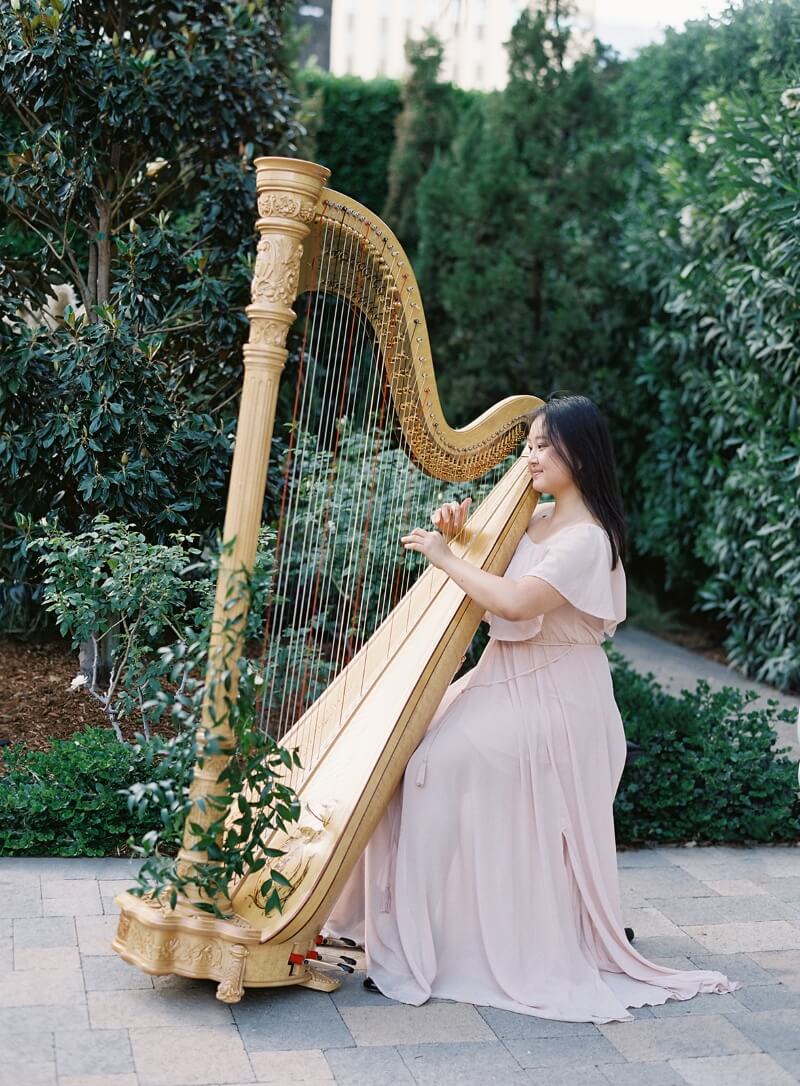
543,509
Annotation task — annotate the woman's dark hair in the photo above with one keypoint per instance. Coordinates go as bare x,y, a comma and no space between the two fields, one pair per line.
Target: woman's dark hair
579,433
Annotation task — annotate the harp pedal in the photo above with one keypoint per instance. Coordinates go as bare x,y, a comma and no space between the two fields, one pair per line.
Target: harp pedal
319,981
329,940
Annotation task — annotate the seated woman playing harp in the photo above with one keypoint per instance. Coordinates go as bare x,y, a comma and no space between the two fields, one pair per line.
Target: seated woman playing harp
492,877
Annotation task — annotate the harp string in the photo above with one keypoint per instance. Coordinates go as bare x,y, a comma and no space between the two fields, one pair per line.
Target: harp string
362,425
294,469
344,535
337,509
326,550
316,467
265,642
328,528
359,543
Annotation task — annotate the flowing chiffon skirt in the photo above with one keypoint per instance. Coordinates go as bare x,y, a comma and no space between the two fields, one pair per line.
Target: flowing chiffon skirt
491,877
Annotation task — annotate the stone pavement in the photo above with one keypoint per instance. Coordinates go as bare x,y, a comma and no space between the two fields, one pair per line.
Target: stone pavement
73,1014
676,668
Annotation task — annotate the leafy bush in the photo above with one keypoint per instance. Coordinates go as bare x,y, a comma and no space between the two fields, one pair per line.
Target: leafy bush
131,601
126,407
67,801
720,473
118,597
707,771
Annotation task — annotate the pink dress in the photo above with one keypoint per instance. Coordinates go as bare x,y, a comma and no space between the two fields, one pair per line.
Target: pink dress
492,876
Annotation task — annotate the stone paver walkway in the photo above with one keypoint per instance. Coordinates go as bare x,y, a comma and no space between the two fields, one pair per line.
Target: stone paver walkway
73,1014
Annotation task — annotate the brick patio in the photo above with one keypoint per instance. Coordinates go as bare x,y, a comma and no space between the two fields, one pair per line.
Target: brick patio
73,1014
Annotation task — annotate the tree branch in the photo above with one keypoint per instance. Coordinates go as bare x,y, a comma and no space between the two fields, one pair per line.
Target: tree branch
66,259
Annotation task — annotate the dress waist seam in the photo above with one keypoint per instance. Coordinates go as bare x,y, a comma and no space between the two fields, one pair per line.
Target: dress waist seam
547,644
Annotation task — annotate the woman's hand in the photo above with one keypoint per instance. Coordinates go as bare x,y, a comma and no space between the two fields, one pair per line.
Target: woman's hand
451,517
430,544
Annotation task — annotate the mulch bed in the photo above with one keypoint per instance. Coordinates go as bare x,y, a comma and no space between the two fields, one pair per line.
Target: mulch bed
37,704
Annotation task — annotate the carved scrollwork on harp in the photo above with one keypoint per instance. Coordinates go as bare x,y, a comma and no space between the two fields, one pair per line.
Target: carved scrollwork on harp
303,841
286,206
268,333
277,270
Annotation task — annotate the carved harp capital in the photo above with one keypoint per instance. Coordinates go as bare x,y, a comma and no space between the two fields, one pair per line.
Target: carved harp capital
286,205
288,194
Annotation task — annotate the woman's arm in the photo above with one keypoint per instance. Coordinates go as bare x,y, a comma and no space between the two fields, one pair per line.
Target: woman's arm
510,599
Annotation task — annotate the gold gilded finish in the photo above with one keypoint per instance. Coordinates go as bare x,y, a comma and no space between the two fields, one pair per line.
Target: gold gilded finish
372,716
293,187
384,282
196,945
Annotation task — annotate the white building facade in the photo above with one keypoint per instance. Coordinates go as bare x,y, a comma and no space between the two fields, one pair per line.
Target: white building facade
368,36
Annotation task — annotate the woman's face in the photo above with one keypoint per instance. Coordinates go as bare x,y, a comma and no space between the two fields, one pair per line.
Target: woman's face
549,473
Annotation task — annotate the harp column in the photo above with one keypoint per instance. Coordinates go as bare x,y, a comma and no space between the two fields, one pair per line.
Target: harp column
288,193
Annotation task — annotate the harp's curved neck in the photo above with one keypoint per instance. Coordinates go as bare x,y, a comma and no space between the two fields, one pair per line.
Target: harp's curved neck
362,260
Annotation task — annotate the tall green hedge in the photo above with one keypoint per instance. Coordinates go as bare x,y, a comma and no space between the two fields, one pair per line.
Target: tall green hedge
352,123
710,240
720,471
517,224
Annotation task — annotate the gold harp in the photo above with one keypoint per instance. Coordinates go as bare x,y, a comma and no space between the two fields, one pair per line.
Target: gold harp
357,736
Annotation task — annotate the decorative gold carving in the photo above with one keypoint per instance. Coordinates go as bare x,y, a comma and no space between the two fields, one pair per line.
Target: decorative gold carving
268,333
231,988
277,269
161,949
123,927
285,205
301,844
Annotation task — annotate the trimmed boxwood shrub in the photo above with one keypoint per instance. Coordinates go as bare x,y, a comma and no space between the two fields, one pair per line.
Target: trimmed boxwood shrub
708,772
67,801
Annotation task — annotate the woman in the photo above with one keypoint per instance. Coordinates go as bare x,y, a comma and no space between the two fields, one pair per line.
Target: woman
492,876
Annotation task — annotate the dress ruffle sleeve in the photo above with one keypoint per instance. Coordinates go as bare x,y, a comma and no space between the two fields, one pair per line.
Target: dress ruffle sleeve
577,563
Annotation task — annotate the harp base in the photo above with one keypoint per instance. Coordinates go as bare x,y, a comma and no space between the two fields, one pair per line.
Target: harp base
160,940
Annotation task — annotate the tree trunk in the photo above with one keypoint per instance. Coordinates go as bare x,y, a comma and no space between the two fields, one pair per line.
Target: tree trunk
103,252
92,280
95,660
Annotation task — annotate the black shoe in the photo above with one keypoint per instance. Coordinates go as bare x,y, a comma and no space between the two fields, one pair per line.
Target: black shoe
371,986
631,934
